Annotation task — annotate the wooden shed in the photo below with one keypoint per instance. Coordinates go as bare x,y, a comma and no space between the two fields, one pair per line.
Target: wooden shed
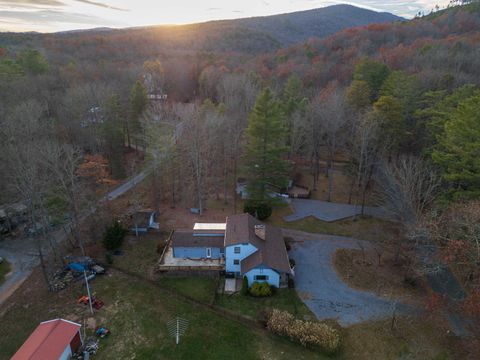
55,339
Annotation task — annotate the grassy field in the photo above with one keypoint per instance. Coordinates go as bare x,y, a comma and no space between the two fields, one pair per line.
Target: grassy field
141,253
137,313
412,338
367,228
199,288
284,299
5,268
139,330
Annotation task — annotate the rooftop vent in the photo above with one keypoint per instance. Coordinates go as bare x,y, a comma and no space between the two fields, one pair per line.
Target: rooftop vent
260,231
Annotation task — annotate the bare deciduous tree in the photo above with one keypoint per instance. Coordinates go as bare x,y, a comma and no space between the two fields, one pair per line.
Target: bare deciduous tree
63,161
24,138
408,186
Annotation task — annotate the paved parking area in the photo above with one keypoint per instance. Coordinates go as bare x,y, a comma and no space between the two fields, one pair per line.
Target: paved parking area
329,211
325,294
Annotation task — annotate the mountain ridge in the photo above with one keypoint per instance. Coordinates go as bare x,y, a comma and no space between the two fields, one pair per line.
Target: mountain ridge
251,35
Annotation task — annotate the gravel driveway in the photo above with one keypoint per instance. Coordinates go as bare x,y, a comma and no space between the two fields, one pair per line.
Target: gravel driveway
20,253
325,294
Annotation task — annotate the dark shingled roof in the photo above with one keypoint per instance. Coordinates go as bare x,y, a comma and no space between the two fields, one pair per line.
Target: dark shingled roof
187,238
271,251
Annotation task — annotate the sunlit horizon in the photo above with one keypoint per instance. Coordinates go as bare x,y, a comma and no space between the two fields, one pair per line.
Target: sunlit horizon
63,15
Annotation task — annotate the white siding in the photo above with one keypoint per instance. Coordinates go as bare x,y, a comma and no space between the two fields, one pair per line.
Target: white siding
67,353
273,276
230,256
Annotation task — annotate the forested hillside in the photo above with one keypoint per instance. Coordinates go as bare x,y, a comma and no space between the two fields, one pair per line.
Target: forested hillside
253,35
398,104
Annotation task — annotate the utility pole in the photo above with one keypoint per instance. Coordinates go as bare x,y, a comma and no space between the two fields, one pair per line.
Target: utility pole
88,291
178,331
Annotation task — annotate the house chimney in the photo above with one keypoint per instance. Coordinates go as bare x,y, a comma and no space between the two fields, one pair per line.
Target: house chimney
260,231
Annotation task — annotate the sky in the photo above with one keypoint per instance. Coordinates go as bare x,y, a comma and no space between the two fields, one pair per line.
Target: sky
60,15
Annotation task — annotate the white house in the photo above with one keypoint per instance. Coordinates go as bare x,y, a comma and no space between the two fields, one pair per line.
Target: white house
256,250
250,248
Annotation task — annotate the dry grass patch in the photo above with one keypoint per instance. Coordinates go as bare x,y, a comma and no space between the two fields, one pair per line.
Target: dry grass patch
361,227
364,270
411,338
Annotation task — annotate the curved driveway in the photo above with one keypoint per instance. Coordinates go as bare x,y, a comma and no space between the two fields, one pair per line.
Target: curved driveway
319,286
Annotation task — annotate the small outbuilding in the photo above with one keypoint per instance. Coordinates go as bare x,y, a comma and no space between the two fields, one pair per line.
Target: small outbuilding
143,221
52,340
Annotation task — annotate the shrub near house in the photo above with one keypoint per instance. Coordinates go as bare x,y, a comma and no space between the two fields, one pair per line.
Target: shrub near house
307,333
261,289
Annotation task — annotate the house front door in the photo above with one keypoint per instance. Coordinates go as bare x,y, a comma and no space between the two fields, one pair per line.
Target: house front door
209,252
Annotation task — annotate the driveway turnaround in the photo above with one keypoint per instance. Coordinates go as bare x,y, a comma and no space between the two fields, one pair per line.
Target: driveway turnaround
329,211
319,286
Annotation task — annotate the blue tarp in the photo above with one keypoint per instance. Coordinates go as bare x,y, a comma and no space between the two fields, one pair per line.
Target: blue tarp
77,267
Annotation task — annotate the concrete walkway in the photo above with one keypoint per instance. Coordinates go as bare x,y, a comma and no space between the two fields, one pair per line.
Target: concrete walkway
329,211
325,294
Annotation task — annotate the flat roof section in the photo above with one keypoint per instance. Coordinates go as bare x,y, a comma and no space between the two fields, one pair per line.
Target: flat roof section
210,226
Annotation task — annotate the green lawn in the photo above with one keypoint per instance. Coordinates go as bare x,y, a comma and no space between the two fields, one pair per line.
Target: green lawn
200,288
5,268
140,253
137,314
283,299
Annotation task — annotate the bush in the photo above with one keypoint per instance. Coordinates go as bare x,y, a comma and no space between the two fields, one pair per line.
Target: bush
244,290
307,333
410,280
291,262
114,235
109,258
261,211
261,289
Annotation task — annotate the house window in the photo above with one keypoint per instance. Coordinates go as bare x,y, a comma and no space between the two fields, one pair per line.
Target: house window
209,252
236,262
236,249
260,277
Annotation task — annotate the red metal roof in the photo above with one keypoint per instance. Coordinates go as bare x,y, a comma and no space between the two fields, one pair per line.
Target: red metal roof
48,341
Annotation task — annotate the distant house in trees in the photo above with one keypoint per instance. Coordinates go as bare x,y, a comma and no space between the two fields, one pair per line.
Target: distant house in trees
157,97
273,192
243,246
52,340
11,216
93,117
